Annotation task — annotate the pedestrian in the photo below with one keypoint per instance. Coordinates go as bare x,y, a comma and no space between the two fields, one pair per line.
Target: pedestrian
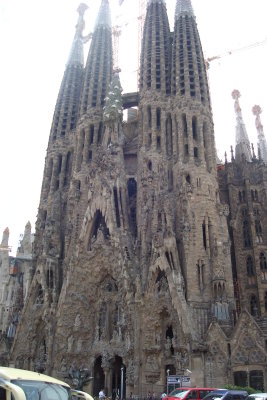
101,394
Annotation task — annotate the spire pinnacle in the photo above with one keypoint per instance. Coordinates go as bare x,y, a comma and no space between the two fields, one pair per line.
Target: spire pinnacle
155,1
104,17
242,141
5,237
261,138
113,102
76,54
183,7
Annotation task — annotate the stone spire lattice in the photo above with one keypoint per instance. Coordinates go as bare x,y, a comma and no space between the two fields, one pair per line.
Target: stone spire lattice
261,137
242,148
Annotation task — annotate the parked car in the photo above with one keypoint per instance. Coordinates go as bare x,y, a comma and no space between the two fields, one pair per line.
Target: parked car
225,394
189,393
257,396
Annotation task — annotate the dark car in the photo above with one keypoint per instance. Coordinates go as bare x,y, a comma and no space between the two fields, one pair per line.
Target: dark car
225,394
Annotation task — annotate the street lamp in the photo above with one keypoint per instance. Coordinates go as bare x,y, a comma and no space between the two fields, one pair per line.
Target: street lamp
168,373
121,383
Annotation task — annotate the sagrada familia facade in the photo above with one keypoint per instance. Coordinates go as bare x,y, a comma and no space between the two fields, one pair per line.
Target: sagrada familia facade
149,255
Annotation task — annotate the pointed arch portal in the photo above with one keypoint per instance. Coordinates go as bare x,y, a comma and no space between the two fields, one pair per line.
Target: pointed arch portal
110,377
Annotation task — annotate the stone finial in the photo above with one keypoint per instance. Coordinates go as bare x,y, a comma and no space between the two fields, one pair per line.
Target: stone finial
5,237
76,53
262,145
242,149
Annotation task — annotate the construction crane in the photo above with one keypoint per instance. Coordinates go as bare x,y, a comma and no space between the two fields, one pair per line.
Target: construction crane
237,50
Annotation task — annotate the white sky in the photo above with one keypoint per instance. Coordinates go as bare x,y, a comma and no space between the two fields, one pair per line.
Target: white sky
35,40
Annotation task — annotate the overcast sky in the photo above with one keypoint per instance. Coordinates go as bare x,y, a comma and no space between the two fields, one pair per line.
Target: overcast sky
35,40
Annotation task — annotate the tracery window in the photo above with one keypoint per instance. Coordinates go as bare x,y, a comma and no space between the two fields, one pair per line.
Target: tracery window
246,234
254,305
263,267
258,229
250,270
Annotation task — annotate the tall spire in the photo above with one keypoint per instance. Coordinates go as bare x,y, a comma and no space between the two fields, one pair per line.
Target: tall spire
66,110
242,142
189,76
103,17
98,70
183,7
76,53
261,137
156,51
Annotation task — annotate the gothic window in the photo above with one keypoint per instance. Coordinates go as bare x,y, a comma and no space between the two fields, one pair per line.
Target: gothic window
184,125
169,339
186,150
149,117
91,139
194,128
158,143
188,179
90,155
49,279
40,295
250,267
158,118
204,235
240,197
99,133
132,194
168,259
116,203
98,225
246,234
254,305
195,152
49,173
149,165
263,267
252,195
59,165
169,144
200,274
258,229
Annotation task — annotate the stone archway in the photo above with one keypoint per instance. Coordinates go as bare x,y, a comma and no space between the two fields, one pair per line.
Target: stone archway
99,377
116,366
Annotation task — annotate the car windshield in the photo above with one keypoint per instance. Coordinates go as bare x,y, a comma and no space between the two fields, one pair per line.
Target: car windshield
175,391
213,396
38,390
181,395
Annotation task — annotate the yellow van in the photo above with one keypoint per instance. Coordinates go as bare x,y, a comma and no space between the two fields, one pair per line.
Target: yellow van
19,384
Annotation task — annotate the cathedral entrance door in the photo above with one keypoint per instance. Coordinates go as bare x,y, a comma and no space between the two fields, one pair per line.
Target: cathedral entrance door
116,378
99,377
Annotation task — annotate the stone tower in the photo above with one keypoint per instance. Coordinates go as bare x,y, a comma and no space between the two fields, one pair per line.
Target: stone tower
132,256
